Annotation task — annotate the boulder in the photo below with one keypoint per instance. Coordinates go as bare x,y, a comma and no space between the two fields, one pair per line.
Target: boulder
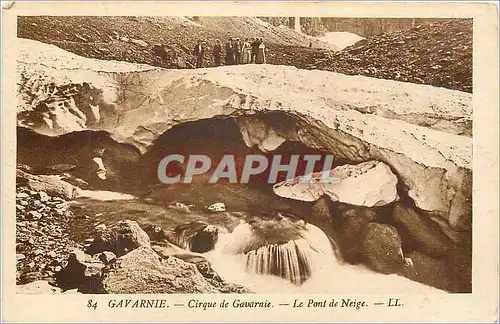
166,250
201,263
106,257
460,215
121,238
22,195
366,184
351,222
459,261
142,271
195,236
100,228
51,185
83,272
424,234
382,248
430,271
322,214
154,232
40,287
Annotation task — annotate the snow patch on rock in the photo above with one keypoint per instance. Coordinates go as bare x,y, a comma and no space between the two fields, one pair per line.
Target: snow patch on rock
366,184
340,39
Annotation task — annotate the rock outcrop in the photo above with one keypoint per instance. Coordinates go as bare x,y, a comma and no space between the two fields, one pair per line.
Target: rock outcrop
432,271
361,119
48,184
143,272
84,272
120,239
425,234
351,223
195,236
366,184
38,287
155,232
382,246
138,267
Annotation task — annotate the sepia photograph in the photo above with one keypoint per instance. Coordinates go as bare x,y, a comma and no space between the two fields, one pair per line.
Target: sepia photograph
313,154
105,101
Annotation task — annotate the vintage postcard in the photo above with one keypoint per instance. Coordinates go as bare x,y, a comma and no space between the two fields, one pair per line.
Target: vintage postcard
249,162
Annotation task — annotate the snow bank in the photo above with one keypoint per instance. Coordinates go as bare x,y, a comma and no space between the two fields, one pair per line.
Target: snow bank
340,39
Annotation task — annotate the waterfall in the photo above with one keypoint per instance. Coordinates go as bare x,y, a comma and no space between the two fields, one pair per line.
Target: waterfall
304,264
297,25
295,260
288,261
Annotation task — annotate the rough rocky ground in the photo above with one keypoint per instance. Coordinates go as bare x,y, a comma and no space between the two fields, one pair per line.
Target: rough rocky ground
132,39
124,258
439,54
42,230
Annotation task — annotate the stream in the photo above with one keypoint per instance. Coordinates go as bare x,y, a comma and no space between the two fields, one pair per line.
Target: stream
305,264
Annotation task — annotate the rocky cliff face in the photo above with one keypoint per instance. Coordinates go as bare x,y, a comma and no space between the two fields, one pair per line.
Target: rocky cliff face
367,27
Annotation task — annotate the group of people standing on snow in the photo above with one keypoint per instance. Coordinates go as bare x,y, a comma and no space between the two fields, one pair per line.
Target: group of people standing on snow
236,52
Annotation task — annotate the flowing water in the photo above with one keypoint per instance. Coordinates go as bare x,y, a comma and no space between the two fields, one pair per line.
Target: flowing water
313,256
275,255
